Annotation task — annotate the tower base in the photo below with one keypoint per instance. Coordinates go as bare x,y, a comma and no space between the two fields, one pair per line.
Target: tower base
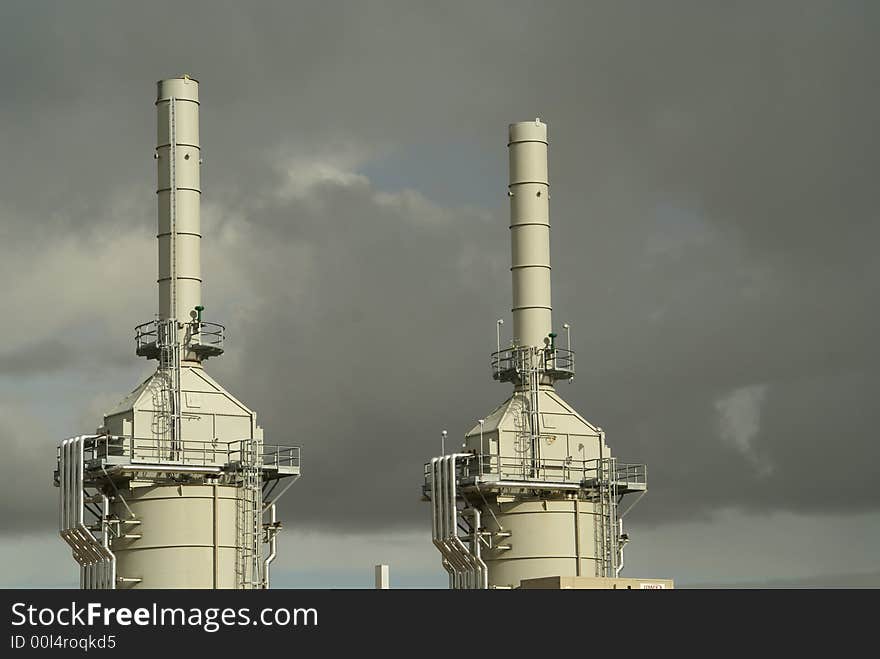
595,583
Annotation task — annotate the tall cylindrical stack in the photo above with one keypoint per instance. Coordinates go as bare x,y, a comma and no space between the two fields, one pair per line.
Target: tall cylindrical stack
179,464
529,192
179,193
535,482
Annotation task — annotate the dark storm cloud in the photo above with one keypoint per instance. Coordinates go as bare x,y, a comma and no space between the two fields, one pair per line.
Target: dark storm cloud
29,499
713,207
47,356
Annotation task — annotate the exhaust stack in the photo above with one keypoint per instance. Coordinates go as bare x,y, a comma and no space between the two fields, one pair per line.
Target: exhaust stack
535,491
529,192
178,157
186,484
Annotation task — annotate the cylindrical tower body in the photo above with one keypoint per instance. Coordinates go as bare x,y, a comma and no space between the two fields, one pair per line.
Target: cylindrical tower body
547,537
529,192
186,536
178,158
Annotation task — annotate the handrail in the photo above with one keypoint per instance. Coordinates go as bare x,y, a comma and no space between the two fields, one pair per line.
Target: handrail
509,362
198,333
190,452
550,469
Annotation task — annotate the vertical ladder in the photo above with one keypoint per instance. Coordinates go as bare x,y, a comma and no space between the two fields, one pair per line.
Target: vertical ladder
527,422
169,367
534,418
606,518
167,334
249,516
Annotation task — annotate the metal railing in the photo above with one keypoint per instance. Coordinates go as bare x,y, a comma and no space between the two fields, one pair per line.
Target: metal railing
273,455
206,334
188,452
281,456
512,363
200,336
630,474
515,468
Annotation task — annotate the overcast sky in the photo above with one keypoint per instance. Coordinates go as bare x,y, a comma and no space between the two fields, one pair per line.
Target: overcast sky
714,172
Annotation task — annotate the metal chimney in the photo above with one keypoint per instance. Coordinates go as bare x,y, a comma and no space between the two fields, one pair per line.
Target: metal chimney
529,192
178,156
535,491
177,488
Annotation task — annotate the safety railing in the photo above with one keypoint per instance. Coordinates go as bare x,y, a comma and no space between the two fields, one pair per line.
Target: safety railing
209,335
273,455
518,468
630,474
146,336
510,364
281,456
200,337
187,452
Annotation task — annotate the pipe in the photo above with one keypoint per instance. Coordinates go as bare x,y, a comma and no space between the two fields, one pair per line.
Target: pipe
62,490
272,545
216,534
455,545
482,422
178,158
470,566
443,524
110,576
447,528
482,573
450,556
84,536
529,192
465,567
97,562
577,536
82,551
436,496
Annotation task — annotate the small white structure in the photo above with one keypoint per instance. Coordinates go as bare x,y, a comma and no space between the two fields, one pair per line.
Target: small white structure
178,481
383,577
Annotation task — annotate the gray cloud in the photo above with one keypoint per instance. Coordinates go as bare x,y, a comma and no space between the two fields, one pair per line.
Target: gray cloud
46,356
713,212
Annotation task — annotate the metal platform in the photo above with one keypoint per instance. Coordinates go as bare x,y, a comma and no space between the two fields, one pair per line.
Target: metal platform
120,457
202,338
512,364
489,473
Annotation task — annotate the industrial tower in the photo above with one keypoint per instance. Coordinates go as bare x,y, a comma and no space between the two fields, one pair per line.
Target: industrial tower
176,489
534,497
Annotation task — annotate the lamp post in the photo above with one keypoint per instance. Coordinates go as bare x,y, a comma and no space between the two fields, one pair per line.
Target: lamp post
482,421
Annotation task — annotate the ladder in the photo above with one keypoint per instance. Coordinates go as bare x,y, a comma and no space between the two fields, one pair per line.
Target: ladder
606,525
534,373
167,334
527,421
523,437
249,517
169,368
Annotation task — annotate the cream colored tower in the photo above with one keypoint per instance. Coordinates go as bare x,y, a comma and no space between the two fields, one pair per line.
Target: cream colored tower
535,485
179,485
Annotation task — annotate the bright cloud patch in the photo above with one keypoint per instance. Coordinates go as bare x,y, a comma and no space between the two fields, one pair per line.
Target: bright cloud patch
739,417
